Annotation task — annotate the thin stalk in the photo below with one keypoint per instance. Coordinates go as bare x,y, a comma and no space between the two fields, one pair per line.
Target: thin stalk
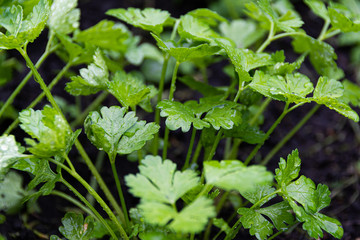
97,214
203,70
69,162
98,100
289,135
214,146
196,153
13,95
324,30
95,195
120,192
155,146
100,180
191,145
75,202
289,34
237,142
93,183
272,128
41,96
269,38
171,96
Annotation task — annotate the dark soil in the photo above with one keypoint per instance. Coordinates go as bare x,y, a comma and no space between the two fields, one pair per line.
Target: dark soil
328,146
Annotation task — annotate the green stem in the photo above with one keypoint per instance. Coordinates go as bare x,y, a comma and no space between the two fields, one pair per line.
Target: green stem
39,79
93,183
75,202
97,214
282,35
69,162
171,96
234,230
95,195
100,180
80,119
265,199
120,192
269,38
272,128
41,96
155,146
203,70
196,153
13,95
237,142
214,146
289,135
191,145
324,30
173,81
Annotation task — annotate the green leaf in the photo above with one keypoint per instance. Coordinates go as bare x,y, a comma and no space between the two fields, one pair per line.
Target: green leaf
10,152
223,116
291,88
321,55
74,50
11,192
106,34
249,34
329,92
149,19
208,16
64,17
136,137
191,219
50,129
194,217
42,173
258,193
159,181
340,21
315,223
351,93
74,227
234,175
319,8
179,116
223,225
302,191
193,28
258,225
11,19
128,89
182,54
22,30
288,170
279,214
322,197
92,79
247,133
114,131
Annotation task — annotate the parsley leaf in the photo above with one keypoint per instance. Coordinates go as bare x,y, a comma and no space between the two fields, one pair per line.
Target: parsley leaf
21,31
106,34
92,79
234,175
340,21
329,92
179,116
159,181
288,169
291,88
149,19
351,93
75,227
50,129
10,152
128,89
182,54
223,116
258,225
64,16
11,192
319,8
279,214
321,55
42,173
115,132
